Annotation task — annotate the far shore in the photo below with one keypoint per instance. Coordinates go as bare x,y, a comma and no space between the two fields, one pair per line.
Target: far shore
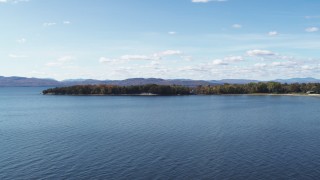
151,94
268,94
142,94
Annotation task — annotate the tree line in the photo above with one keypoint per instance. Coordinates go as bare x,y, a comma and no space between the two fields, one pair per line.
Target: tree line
261,87
119,90
251,88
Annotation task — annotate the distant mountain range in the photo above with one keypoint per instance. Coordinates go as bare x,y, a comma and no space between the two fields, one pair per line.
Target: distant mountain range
37,82
22,81
235,81
298,80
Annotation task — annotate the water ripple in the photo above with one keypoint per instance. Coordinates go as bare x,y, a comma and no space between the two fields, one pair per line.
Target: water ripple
196,137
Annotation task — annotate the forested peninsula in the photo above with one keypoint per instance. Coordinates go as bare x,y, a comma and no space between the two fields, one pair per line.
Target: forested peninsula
149,89
167,90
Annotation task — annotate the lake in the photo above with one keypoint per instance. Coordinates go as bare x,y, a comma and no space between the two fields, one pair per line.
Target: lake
150,137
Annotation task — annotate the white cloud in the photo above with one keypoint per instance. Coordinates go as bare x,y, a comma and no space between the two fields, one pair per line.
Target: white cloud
273,33
168,53
187,58
307,67
219,68
260,65
206,1
277,64
312,29
233,58
237,26
65,59
312,17
13,1
66,22
219,62
62,61
17,56
135,57
154,57
198,68
53,64
284,64
200,1
46,24
38,73
155,63
105,60
257,52
172,33
22,40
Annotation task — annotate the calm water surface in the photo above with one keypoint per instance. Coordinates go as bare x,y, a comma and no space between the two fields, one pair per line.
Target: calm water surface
182,137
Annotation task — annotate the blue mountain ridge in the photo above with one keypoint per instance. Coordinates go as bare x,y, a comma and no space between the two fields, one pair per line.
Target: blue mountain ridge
16,81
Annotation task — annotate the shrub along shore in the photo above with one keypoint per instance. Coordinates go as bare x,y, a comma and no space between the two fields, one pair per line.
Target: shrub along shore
260,88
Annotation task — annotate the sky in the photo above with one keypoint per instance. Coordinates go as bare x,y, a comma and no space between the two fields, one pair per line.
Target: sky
170,39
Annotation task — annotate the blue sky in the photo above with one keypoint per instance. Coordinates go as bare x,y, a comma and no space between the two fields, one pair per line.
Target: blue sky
171,39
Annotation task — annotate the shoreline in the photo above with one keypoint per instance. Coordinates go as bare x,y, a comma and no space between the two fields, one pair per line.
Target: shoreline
143,94
150,94
267,94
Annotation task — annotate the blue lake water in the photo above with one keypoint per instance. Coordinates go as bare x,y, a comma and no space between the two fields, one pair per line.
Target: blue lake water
181,137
